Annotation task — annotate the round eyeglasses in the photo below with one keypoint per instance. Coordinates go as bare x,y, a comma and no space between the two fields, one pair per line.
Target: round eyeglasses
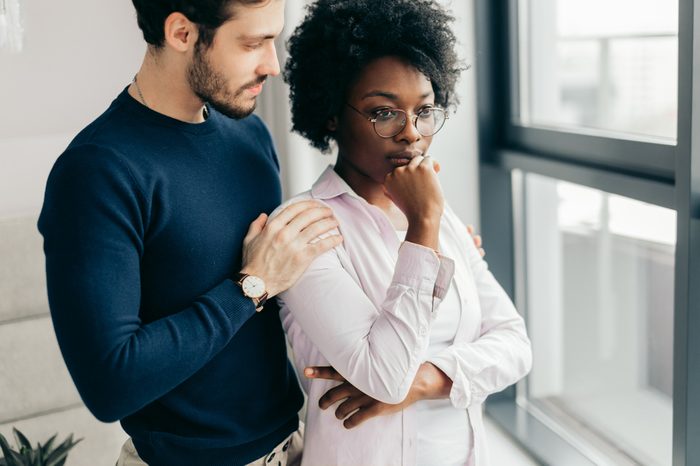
389,122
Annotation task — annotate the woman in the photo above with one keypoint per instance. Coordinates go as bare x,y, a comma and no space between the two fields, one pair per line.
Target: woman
405,309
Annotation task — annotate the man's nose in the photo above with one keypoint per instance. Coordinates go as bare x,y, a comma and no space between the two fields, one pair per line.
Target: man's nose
271,64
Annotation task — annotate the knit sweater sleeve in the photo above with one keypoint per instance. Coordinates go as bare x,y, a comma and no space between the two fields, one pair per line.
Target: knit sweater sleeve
94,221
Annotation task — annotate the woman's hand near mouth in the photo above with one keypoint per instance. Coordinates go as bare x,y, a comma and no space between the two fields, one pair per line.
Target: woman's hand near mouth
416,191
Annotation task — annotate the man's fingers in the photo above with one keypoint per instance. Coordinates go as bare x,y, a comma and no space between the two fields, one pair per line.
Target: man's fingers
309,217
325,244
478,241
323,372
288,213
316,229
256,227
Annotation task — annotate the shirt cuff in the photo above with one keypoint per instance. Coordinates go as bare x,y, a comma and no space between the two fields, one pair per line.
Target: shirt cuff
444,277
420,266
460,394
417,267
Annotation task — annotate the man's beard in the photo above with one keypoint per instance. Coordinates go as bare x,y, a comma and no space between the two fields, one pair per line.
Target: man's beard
211,86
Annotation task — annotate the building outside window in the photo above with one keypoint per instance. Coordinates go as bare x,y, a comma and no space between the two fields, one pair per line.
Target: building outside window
586,125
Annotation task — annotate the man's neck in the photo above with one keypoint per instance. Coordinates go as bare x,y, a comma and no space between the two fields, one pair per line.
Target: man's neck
164,89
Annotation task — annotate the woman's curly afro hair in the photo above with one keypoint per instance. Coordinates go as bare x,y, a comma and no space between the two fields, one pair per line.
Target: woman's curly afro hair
338,38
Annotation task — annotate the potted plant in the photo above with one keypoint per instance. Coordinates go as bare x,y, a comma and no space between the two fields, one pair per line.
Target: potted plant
43,455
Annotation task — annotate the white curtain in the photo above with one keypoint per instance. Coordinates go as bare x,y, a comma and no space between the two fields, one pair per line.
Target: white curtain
11,30
301,164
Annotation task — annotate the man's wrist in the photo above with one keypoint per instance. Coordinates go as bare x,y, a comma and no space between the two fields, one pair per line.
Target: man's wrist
252,287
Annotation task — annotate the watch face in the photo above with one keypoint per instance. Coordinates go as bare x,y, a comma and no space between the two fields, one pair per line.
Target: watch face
253,287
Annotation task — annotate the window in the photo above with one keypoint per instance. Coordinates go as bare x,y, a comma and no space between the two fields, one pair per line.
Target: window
599,66
590,201
600,316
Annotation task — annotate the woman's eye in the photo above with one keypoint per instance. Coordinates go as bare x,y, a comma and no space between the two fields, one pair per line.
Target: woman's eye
254,46
425,113
386,114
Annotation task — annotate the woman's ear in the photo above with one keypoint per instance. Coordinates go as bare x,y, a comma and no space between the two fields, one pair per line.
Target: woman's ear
332,124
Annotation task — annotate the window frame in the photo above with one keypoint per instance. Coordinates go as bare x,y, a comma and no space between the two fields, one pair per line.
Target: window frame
663,174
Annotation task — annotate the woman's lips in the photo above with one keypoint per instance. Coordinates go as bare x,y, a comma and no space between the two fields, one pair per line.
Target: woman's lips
399,161
403,158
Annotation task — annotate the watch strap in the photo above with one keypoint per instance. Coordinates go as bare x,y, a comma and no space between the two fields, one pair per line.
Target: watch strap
259,303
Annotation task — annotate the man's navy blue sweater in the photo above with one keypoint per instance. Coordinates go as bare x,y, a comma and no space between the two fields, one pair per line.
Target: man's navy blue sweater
143,223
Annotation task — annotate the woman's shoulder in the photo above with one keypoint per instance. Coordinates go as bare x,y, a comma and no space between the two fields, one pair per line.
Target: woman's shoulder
305,196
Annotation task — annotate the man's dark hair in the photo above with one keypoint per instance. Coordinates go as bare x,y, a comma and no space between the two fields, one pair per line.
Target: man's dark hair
207,14
338,38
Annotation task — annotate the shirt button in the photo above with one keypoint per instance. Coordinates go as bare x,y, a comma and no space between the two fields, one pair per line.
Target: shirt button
422,331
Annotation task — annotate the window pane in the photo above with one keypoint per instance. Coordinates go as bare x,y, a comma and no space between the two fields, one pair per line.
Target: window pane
600,66
600,316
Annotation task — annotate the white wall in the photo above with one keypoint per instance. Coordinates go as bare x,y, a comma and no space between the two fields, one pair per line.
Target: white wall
456,145
77,56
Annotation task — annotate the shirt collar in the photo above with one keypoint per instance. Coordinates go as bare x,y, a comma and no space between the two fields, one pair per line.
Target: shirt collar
330,185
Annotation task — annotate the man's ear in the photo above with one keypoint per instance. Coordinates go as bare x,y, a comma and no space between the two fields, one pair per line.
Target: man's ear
332,124
180,33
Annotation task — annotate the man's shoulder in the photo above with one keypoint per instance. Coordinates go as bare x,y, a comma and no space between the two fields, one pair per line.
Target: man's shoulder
91,165
110,120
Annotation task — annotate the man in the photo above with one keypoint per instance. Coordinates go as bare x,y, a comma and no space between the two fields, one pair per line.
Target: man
155,271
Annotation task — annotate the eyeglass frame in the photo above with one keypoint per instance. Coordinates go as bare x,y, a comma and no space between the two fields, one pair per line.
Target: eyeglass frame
414,121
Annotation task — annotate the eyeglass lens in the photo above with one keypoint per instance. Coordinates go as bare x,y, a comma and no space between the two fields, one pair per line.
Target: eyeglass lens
389,123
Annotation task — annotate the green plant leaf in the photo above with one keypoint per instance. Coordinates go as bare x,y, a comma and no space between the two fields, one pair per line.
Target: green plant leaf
42,455
12,458
32,457
22,440
58,456
46,447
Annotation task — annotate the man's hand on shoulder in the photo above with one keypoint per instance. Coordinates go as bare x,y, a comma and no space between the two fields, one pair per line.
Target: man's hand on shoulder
477,240
279,250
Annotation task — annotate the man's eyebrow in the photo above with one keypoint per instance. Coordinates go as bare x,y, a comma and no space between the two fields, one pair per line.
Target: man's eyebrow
257,37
